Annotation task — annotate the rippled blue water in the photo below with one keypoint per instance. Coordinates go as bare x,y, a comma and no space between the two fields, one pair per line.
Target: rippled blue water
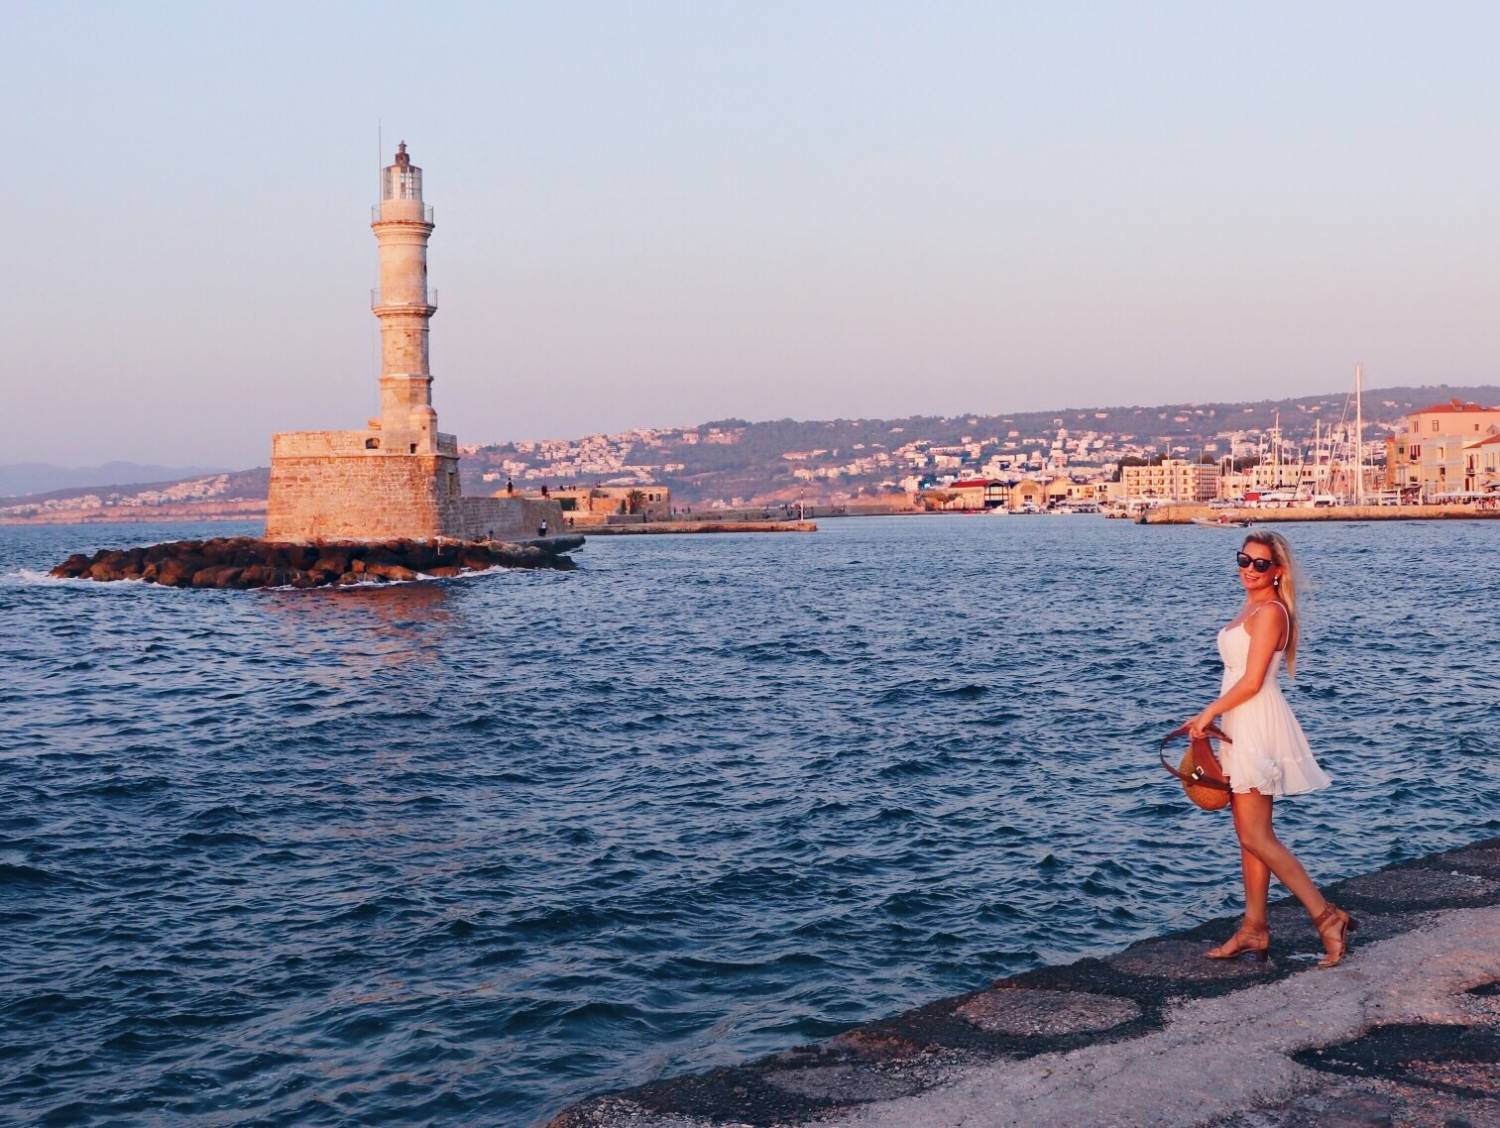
462,852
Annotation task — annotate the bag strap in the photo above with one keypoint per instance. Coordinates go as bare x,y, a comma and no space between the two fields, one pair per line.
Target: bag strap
1196,776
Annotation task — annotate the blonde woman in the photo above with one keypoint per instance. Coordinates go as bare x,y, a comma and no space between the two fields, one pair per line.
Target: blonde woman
1266,755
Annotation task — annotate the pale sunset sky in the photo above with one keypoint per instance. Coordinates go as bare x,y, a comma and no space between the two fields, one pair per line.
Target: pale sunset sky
665,213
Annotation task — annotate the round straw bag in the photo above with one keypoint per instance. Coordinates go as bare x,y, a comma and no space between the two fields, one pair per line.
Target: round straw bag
1200,772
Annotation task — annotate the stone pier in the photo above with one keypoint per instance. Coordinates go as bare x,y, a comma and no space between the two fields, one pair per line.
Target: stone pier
1406,1031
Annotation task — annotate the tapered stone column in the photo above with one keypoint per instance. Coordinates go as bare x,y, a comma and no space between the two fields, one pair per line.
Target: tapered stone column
402,226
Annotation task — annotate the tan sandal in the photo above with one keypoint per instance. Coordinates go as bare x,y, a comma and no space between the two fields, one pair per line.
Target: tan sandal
1253,938
1334,926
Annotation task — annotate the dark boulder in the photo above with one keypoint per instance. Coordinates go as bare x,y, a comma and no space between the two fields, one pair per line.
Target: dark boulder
178,571
216,576
389,572
73,567
334,559
257,575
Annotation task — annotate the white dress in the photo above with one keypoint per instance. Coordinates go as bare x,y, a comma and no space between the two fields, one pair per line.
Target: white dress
1266,750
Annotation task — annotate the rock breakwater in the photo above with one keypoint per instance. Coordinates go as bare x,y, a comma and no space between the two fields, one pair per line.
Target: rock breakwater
245,562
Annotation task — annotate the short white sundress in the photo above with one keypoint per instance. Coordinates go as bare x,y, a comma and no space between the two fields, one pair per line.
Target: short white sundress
1266,751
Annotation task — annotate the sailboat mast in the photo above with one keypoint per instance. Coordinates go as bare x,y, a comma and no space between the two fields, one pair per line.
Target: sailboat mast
1317,473
1359,434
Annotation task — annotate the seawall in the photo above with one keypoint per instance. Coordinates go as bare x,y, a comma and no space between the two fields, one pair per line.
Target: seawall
1405,1031
1185,514
700,527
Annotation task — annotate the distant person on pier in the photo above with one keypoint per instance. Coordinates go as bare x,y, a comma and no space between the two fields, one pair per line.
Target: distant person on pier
544,489
541,530
510,488
1266,754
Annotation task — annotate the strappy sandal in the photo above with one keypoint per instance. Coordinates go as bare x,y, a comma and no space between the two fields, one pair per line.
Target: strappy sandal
1334,925
1253,938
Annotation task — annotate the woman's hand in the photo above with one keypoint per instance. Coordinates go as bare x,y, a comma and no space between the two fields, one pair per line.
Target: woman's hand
1198,727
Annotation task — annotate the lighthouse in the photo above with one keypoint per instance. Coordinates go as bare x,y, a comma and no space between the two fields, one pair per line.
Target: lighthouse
397,478
402,224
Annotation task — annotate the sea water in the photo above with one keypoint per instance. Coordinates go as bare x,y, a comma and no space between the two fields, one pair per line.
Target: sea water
461,852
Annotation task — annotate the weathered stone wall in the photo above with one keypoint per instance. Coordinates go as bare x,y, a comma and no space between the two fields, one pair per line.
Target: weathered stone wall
508,518
363,496
302,444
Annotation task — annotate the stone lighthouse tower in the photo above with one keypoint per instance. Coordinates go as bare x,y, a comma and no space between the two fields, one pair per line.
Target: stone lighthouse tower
398,477
402,226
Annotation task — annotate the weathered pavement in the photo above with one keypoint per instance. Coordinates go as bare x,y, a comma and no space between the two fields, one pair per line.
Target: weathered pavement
1405,1032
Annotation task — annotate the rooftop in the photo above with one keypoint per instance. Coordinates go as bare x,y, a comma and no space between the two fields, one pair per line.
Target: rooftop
1453,405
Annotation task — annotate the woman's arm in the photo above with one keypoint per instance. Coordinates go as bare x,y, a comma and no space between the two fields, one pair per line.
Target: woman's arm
1265,636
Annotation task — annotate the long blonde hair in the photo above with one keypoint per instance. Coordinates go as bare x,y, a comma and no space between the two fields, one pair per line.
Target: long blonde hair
1286,588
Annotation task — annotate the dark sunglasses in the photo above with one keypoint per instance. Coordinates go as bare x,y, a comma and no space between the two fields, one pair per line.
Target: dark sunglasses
1260,564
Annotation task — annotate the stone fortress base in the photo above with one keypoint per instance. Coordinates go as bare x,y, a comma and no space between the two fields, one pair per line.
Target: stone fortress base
340,485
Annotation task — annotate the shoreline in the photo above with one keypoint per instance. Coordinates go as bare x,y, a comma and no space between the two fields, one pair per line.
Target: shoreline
1187,514
1405,1030
1172,513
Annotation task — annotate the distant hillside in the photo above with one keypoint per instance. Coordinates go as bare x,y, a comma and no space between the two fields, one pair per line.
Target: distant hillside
238,495
21,478
785,458
736,461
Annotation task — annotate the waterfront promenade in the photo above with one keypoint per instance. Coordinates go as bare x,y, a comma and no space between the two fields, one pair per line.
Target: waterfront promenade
1187,513
1405,1031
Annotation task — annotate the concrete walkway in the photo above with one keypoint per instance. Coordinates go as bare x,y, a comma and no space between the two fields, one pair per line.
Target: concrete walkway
1405,1032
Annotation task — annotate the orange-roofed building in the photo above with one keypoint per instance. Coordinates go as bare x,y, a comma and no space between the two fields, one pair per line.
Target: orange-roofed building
977,493
1431,453
1482,465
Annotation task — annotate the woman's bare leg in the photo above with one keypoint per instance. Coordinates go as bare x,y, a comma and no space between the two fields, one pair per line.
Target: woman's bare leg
1252,822
1257,877
1251,936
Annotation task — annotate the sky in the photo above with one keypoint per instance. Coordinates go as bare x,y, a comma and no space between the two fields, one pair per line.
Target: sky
659,214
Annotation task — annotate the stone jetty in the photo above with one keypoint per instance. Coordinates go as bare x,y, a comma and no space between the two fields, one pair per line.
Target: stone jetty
245,562
1406,1031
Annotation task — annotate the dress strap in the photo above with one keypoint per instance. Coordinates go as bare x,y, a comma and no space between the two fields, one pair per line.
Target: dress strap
1286,620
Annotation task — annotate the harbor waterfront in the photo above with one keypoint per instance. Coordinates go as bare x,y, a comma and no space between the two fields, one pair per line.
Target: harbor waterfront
1187,514
474,850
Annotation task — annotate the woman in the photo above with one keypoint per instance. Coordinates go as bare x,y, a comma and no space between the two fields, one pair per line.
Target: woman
1266,754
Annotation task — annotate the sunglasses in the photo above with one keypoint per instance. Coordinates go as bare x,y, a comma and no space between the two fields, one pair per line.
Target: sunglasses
1260,564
